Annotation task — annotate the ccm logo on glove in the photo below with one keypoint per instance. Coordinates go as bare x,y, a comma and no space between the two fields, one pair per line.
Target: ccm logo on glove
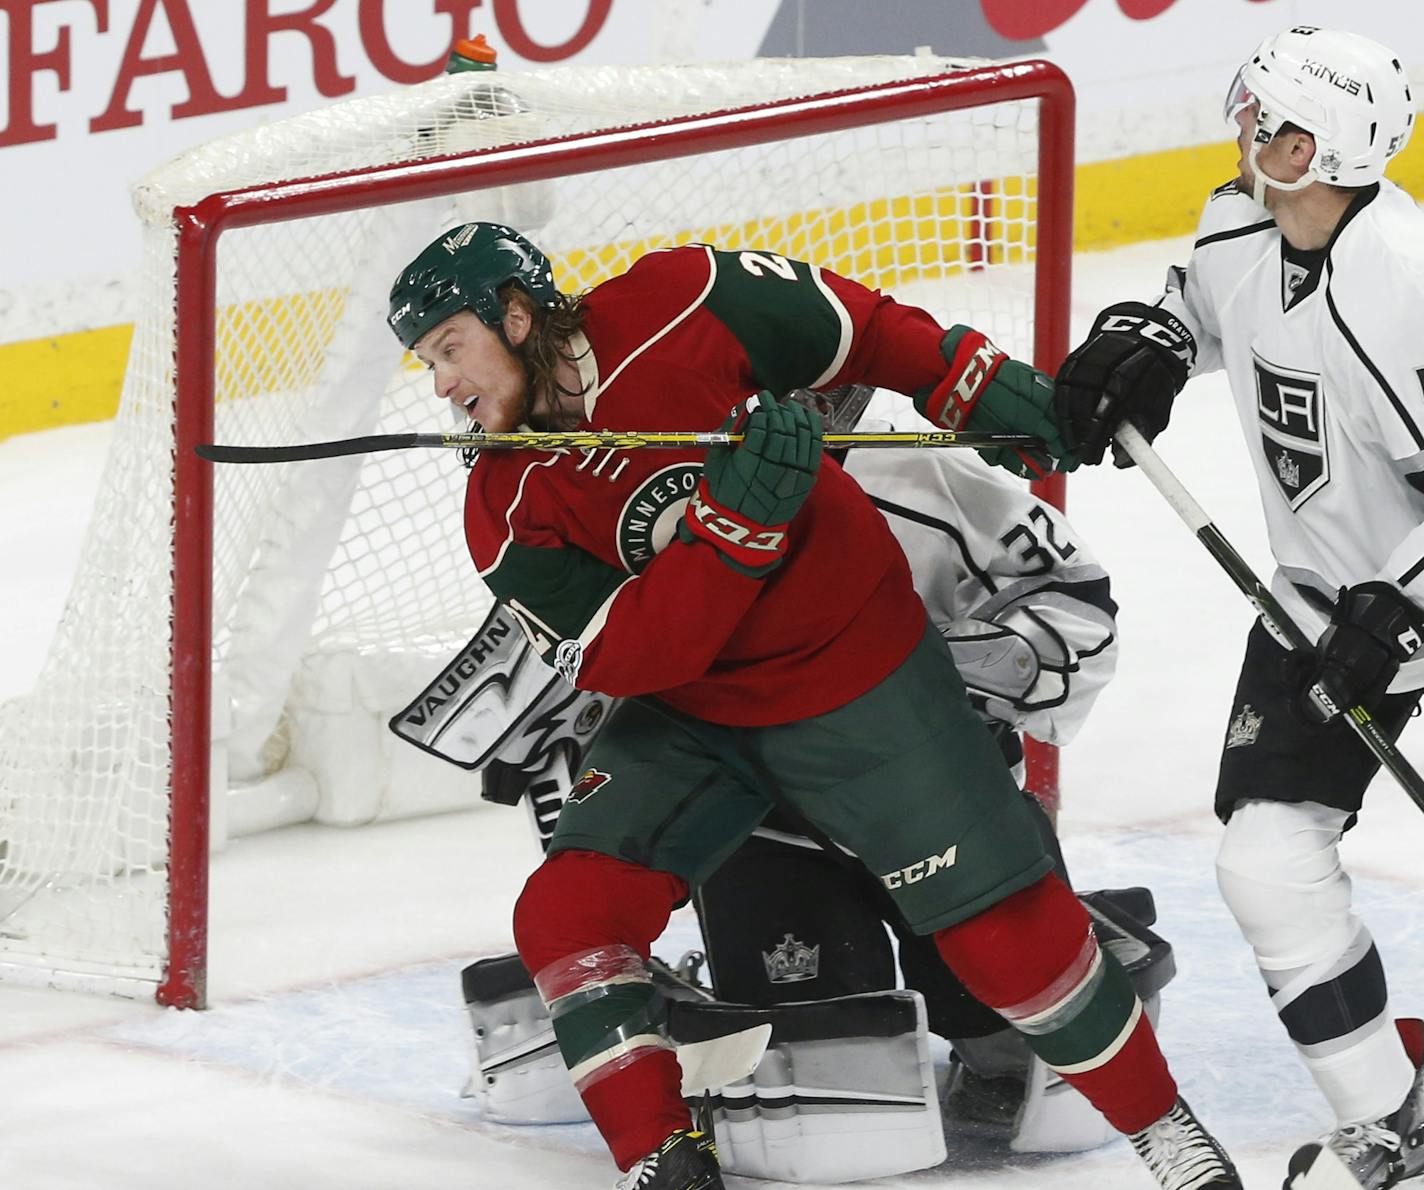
979,369
1169,332
735,533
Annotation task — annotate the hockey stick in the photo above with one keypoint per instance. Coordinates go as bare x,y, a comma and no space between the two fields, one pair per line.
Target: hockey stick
1274,617
582,440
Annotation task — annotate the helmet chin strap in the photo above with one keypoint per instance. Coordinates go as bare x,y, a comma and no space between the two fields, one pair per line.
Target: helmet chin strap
1260,180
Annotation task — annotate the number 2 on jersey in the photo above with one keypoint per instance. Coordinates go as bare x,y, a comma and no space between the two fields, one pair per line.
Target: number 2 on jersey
755,262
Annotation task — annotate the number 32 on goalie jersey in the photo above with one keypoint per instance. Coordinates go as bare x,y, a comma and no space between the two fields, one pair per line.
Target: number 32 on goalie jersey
1036,543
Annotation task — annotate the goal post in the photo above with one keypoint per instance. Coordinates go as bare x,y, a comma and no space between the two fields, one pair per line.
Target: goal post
948,184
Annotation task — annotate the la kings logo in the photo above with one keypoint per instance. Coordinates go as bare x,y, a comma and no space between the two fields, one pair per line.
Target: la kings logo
1245,728
792,962
1292,430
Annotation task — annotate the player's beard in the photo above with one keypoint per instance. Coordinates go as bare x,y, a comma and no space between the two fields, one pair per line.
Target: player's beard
525,417
525,414
542,419
553,412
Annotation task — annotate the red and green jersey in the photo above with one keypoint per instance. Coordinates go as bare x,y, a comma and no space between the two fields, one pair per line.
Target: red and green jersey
582,545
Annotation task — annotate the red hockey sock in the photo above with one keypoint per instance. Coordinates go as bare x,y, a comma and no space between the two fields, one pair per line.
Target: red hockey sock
583,926
1133,1088
580,900
639,1107
1034,959
1411,1032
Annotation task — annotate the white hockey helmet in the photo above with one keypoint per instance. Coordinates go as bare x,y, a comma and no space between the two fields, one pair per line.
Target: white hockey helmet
1347,91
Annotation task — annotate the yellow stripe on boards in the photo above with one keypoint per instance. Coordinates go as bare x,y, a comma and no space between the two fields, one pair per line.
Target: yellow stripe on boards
1156,196
275,345
72,378
883,242
62,380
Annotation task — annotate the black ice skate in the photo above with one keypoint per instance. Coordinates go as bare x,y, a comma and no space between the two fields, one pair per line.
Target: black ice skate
1375,1155
1183,1155
685,1161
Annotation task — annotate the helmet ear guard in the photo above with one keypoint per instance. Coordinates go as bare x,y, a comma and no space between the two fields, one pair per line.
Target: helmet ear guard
1350,93
464,269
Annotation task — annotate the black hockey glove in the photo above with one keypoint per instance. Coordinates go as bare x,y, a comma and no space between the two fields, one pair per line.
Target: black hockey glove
1373,628
749,493
986,390
1130,368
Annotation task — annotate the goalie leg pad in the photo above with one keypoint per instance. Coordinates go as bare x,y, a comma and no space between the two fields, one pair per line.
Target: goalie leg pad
1279,872
1122,920
845,1091
518,1074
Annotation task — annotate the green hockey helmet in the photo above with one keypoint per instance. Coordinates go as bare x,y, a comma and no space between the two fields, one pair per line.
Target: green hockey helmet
463,270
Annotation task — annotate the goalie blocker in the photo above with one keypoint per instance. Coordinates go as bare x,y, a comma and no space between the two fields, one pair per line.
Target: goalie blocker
498,710
846,1089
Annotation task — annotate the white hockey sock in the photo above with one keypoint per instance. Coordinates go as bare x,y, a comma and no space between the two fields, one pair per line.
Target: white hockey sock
1366,1080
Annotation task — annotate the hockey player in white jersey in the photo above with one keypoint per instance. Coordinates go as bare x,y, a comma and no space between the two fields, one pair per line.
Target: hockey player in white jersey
1022,601
1305,284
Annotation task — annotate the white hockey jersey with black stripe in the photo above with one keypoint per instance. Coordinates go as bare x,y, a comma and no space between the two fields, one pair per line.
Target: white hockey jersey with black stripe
1324,352
982,548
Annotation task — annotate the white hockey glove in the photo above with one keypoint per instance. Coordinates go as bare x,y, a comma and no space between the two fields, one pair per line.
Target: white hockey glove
996,663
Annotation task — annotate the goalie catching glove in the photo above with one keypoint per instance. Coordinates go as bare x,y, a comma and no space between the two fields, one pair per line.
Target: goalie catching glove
1130,368
1373,629
985,390
750,493
996,662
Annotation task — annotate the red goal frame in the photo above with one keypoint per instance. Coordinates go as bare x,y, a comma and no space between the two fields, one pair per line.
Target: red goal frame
202,225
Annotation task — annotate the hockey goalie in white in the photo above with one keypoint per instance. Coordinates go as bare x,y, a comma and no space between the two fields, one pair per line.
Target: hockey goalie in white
1305,284
1022,601
795,937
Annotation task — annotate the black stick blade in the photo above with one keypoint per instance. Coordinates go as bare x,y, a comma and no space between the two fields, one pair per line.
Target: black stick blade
311,450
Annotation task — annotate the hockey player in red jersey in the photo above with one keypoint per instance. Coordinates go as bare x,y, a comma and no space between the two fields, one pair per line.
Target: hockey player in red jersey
753,609
1304,286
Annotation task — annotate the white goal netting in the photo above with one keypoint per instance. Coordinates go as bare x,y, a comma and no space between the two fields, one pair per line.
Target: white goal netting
340,587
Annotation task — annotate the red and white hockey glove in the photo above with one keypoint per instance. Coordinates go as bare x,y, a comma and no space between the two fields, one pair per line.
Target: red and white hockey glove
749,493
985,389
